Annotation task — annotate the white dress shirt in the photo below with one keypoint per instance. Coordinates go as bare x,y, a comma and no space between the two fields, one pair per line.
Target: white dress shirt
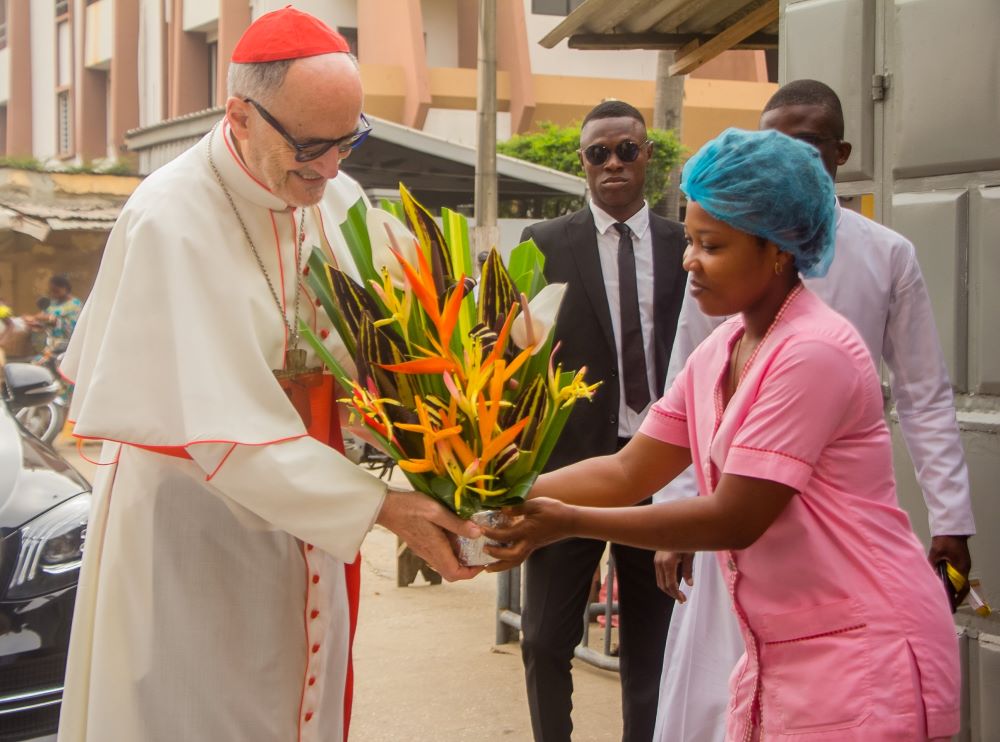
607,248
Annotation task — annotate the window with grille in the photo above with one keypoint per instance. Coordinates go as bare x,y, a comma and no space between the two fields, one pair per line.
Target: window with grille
64,123
64,57
62,7
350,34
3,23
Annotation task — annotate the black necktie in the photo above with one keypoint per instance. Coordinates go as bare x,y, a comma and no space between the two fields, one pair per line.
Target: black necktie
633,352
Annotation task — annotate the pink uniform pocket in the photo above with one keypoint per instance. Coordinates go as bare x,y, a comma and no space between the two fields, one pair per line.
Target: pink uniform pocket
815,668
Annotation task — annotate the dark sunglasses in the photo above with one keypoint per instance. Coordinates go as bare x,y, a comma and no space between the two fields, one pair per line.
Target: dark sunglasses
314,148
627,151
815,140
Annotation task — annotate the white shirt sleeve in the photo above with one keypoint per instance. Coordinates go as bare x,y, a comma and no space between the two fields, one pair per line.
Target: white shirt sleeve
301,486
693,327
924,400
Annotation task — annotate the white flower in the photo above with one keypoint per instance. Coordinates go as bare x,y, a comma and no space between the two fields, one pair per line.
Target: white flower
532,326
380,223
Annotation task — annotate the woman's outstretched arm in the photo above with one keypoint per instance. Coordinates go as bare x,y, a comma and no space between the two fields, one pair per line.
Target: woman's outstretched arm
733,517
624,478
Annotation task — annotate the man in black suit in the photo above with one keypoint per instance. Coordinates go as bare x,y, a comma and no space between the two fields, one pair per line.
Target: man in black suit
622,265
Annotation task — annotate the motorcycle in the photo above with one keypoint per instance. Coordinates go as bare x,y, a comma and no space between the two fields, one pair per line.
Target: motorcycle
46,421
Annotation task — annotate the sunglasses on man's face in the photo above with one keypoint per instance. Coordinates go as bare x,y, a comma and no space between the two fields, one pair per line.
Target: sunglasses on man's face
315,148
626,150
815,140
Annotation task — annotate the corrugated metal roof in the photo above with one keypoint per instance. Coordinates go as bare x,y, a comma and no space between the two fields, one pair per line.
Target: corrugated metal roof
436,169
32,204
697,29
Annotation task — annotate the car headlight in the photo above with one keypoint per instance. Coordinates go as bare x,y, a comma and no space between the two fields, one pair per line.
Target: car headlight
50,549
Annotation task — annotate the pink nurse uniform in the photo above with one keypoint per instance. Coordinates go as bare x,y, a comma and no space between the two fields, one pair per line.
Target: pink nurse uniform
847,629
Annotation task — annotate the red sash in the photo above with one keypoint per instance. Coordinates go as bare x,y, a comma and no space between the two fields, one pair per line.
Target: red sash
315,399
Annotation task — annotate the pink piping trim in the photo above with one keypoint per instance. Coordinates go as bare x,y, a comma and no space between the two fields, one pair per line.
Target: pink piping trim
193,443
209,478
224,460
670,415
281,274
239,162
305,621
312,304
771,450
82,455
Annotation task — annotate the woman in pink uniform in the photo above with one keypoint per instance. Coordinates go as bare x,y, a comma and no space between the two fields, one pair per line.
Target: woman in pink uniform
848,631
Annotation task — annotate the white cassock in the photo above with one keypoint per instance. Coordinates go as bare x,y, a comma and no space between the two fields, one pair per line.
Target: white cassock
876,283
212,601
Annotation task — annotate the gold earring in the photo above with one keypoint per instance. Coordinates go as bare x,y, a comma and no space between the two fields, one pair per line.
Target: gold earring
777,268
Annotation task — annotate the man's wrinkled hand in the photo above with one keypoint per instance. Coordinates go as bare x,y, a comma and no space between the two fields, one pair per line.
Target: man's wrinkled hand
670,567
424,525
537,523
956,550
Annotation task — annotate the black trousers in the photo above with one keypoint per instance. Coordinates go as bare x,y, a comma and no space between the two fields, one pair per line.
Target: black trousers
557,585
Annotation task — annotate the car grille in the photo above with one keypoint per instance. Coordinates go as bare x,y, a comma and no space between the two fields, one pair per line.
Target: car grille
29,724
32,670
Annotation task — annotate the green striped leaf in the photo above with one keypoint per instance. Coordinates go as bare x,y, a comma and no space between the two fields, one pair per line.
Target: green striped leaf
320,285
497,292
431,239
527,266
355,231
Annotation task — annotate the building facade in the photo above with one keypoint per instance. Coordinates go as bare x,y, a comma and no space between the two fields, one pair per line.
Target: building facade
76,75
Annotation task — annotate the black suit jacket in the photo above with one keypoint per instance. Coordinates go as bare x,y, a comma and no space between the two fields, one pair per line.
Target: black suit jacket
583,327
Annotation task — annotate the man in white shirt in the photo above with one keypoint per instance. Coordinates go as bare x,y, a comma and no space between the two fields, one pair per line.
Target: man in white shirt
876,283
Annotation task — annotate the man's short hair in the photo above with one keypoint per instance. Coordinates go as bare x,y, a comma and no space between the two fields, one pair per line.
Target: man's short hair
261,80
613,109
257,80
810,93
62,281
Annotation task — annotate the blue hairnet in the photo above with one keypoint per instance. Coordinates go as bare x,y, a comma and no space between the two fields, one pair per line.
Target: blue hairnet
771,186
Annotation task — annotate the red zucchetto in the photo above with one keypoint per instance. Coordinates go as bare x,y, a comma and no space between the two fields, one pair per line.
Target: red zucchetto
287,34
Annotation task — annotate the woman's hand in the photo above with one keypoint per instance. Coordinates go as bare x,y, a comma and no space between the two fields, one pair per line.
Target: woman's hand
670,566
538,522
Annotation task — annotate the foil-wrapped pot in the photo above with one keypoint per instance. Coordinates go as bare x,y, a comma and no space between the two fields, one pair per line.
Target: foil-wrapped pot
470,550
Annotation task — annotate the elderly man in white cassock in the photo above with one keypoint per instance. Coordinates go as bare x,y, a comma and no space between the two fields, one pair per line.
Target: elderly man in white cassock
215,599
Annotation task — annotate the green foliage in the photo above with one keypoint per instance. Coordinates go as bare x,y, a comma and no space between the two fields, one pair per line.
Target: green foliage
117,167
22,163
556,147
553,146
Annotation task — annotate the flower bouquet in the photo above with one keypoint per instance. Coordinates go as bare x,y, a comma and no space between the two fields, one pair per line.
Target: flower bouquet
456,381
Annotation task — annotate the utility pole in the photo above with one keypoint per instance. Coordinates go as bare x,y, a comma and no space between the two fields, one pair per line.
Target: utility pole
667,106
486,231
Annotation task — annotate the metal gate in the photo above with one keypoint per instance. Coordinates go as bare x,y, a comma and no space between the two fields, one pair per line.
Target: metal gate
508,623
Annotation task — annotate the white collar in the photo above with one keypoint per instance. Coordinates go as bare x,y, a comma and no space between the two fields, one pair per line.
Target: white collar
638,222
235,174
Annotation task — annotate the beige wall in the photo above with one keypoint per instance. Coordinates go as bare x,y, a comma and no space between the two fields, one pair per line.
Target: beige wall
19,131
400,44
709,105
160,70
43,80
